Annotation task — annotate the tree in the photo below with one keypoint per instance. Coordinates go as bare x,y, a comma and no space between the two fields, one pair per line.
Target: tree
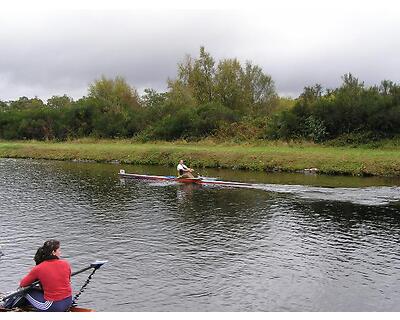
151,98
3,106
311,94
26,103
228,85
203,77
114,93
58,102
259,88
180,94
197,77
246,89
351,84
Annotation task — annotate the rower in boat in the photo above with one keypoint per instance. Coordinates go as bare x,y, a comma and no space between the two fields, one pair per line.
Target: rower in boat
12,301
54,275
184,171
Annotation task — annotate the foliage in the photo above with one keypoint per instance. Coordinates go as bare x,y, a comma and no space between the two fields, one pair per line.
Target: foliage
56,102
244,89
26,103
3,106
114,93
221,100
190,123
246,130
316,129
152,99
350,109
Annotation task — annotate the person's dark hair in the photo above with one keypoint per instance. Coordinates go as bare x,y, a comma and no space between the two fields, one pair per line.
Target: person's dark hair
45,252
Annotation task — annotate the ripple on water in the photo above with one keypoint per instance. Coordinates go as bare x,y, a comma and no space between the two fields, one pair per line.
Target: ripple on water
174,248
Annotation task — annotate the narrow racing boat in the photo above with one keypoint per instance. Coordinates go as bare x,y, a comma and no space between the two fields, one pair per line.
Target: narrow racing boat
200,180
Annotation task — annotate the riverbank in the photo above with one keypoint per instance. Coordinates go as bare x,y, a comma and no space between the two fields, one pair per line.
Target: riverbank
266,157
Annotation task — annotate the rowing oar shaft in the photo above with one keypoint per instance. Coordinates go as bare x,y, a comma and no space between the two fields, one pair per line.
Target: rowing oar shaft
80,271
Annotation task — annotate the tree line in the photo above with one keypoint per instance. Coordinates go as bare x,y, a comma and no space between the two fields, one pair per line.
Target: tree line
223,99
352,112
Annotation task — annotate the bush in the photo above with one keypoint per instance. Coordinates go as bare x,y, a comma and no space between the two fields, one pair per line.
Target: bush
355,139
349,111
316,130
189,122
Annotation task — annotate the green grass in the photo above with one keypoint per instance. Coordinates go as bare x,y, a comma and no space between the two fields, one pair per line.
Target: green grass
289,157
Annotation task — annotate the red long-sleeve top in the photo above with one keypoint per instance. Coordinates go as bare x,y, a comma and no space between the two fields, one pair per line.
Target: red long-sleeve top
54,276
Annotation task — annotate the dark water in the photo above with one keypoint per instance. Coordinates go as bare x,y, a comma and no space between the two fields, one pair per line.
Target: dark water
291,243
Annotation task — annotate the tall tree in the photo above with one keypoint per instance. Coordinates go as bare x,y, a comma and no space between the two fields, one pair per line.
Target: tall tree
259,88
202,79
114,93
229,89
197,75
58,102
241,89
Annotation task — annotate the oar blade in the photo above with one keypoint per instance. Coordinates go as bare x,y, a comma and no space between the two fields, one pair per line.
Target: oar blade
98,263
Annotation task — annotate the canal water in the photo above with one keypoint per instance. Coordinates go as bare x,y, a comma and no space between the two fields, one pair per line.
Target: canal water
290,242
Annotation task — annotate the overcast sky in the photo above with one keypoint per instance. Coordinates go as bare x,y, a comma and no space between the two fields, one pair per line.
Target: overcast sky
50,50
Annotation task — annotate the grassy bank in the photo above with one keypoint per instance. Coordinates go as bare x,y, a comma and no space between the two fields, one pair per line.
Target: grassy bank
265,157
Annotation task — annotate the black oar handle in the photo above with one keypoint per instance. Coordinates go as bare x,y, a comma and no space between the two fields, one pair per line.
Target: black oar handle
19,291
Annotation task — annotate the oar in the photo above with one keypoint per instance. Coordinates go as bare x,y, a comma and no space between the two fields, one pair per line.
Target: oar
95,265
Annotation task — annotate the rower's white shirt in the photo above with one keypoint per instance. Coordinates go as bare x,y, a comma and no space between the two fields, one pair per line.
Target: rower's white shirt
181,167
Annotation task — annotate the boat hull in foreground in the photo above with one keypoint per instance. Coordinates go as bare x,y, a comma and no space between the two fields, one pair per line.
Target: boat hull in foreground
30,309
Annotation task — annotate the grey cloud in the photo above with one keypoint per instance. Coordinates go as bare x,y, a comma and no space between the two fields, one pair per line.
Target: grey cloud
76,48
59,52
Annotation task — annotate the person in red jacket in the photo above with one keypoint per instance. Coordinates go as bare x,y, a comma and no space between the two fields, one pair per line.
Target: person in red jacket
54,275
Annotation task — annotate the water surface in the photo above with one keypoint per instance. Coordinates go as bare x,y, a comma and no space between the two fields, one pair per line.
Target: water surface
290,243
